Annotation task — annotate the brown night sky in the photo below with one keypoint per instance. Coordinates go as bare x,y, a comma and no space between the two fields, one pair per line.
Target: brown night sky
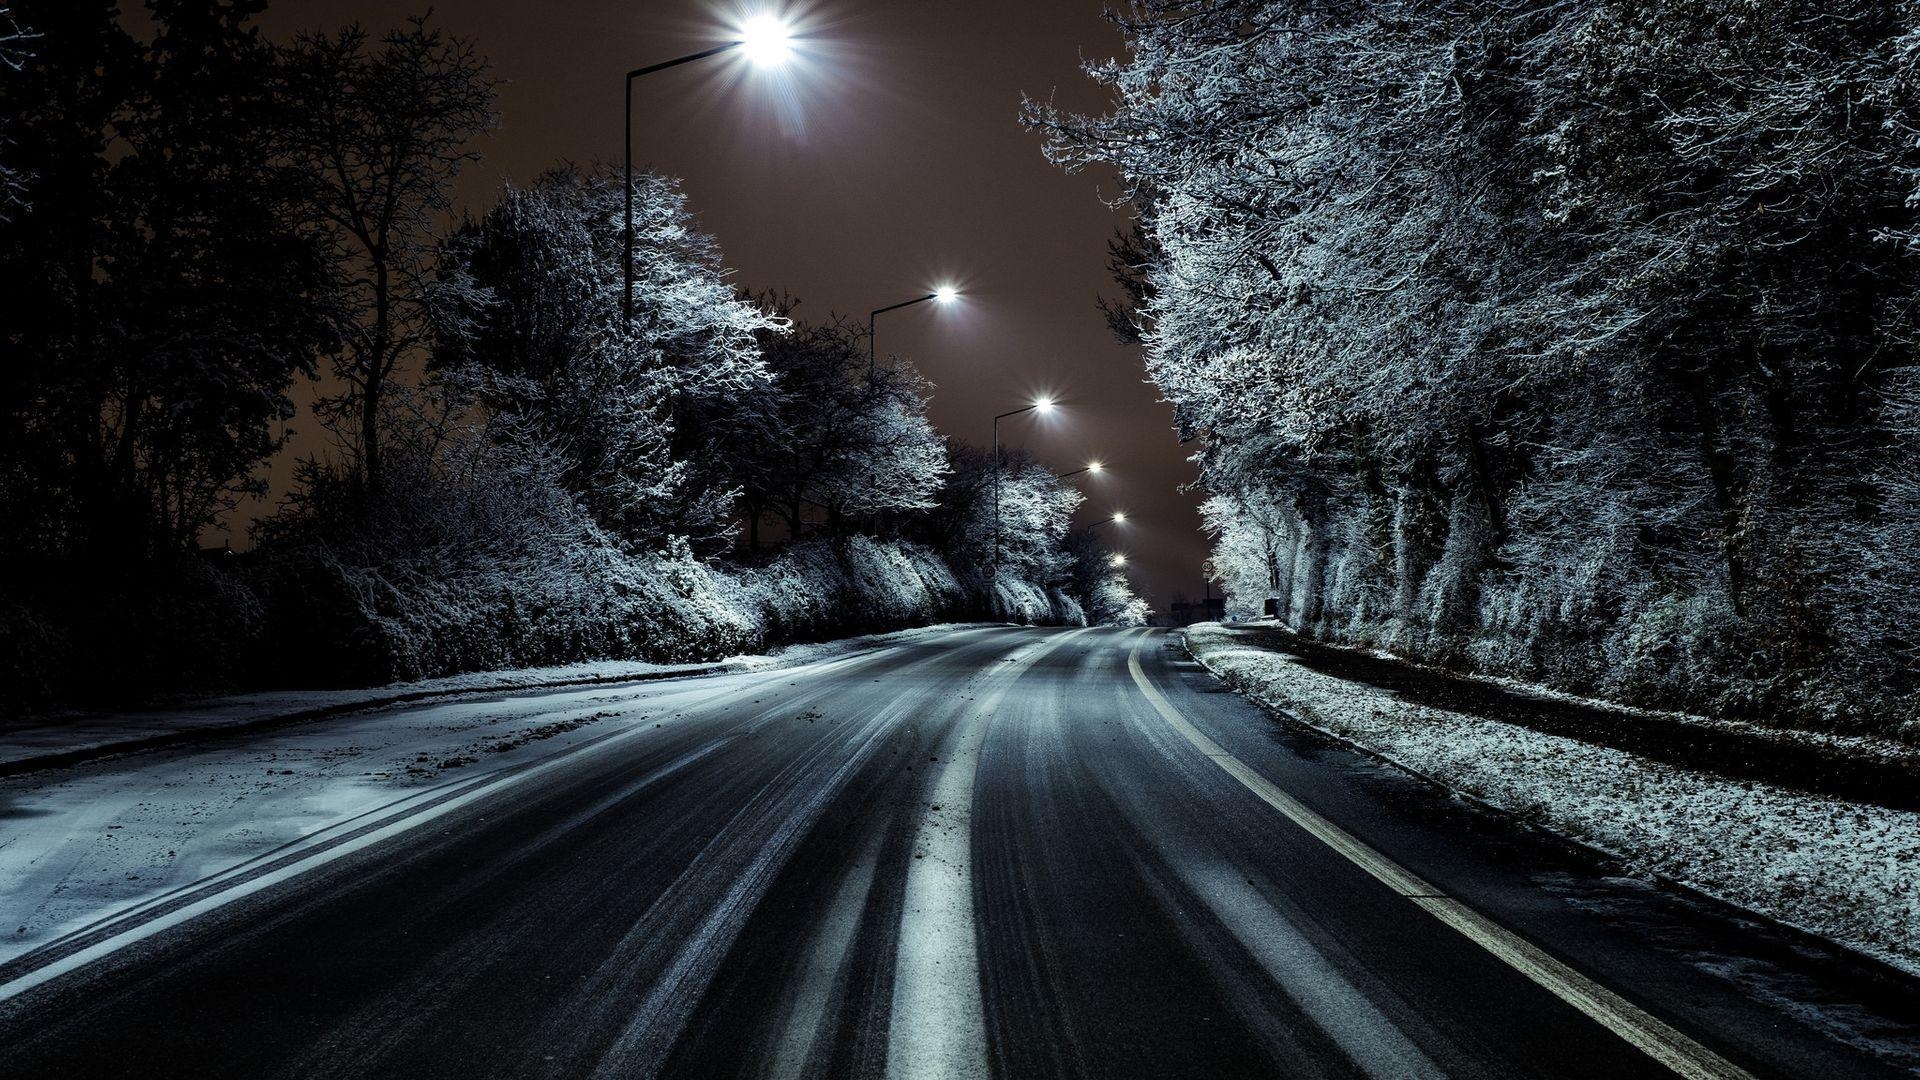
886,160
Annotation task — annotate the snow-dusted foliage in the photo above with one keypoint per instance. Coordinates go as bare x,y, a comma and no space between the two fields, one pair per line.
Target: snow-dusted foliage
1007,534
525,471
818,588
1099,583
831,436
1571,341
531,321
558,488
488,562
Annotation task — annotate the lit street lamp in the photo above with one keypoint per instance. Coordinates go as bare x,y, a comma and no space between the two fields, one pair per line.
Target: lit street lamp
766,41
1041,405
1117,560
1094,467
945,294
1119,518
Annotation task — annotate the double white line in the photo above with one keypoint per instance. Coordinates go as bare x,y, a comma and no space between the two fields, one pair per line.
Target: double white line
938,1026
1654,1037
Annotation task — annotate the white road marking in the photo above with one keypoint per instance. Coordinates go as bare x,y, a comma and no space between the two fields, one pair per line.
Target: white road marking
938,1029
746,863
1654,1037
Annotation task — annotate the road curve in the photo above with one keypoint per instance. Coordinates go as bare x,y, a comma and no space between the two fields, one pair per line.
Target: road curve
1000,853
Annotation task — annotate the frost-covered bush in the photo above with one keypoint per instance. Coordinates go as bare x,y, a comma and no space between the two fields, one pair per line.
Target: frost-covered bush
822,587
1067,610
1016,600
598,603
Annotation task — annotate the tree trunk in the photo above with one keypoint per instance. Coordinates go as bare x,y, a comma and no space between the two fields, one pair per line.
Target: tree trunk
373,374
1485,486
1724,478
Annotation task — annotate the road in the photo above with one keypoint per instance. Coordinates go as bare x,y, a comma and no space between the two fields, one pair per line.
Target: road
1003,852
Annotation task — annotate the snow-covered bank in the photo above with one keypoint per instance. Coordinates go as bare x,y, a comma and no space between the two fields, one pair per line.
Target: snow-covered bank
85,843
64,738
1844,870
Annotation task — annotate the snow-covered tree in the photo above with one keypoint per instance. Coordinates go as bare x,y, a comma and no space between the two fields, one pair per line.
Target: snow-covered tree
1566,340
529,318
1016,527
1099,583
832,434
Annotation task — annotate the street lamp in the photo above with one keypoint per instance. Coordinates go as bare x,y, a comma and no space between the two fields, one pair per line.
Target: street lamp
1042,405
1117,560
767,41
1119,518
945,294
1094,467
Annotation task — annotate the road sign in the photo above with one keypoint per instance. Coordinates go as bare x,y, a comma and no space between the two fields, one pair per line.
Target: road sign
1207,568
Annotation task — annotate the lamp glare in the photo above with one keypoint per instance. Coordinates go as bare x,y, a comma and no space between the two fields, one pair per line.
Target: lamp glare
766,40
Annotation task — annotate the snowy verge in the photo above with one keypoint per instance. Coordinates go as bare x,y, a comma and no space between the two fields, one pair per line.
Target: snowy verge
1846,871
1838,746
111,839
67,739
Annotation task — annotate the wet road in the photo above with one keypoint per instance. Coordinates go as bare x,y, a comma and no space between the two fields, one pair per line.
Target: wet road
1003,852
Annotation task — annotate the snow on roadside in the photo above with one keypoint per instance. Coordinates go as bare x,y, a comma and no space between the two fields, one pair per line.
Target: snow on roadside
63,732
82,842
1847,871
1860,747
60,733
824,650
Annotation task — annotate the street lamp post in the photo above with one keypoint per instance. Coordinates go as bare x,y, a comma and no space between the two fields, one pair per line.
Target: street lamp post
767,42
1119,518
945,294
1094,467
1040,405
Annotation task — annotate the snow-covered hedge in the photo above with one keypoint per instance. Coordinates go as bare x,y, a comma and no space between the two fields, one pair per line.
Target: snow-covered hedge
366,624
823,587
373,624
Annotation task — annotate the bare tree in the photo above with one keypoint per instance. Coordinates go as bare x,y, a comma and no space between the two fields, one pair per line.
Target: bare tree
13,55
384,126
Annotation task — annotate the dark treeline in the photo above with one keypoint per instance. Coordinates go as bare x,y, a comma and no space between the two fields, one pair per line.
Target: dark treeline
196,219
1567,341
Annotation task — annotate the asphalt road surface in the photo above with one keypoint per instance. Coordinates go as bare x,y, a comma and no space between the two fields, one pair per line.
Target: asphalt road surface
1002,852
